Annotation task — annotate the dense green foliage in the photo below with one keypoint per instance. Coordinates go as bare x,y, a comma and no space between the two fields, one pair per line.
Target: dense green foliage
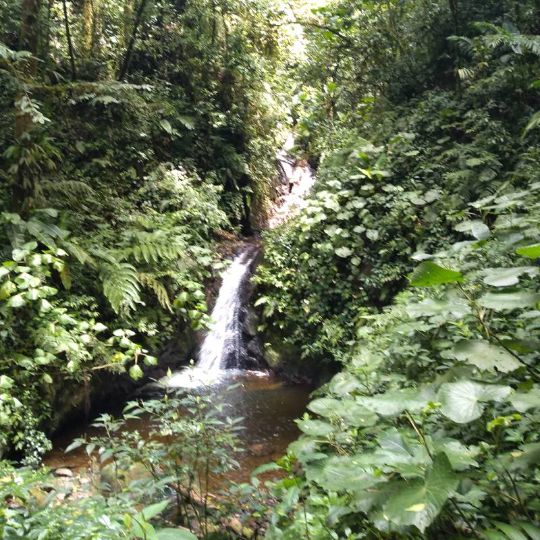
137,135
424,122
432,427
133,134
135,470
396,171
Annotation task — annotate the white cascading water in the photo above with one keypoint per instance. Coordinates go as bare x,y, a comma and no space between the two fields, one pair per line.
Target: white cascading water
298,180
223,341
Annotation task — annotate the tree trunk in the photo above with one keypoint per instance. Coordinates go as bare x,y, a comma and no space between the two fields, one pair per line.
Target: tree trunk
131,44
47,32
69,42
29,35
127,22
28,41
96,28
88,28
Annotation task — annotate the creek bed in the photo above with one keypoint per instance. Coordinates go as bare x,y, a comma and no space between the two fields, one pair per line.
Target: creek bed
267,404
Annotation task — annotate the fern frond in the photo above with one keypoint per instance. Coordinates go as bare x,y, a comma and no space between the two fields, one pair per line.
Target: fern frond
465,45
465,74
150,281
106,255
517,530
151,247
120,286
71,190
534,122
78,252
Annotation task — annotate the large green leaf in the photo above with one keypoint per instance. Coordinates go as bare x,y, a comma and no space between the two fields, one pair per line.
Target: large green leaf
475,227
523,401
505,277
450,306
352,412
532,251
485,355
347,473
460,456
149,512
395,402
463,401
429,274
513,300
419,502
344,383
315,428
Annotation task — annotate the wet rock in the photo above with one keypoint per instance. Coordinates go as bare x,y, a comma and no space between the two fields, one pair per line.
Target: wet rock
254,349
151,390
63,472
251,323
261,450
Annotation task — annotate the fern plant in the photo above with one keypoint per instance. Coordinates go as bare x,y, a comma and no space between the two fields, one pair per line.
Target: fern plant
120,285
519,530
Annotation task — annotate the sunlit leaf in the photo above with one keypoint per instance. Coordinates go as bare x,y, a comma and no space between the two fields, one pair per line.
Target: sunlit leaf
463,401
430,274
485,355
418,502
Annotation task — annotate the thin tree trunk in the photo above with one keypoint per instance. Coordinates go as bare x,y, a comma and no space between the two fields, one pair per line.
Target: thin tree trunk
47,38
29,34
69,42
28,41
129,51
96,29
88,27
127,22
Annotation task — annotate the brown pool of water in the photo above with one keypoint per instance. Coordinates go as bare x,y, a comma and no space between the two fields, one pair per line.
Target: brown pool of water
267,405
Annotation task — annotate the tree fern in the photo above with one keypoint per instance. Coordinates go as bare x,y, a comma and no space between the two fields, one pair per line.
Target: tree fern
465,45
120,285
495,36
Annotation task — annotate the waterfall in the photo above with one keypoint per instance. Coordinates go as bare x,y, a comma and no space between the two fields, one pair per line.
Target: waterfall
297,180
223,347
224,350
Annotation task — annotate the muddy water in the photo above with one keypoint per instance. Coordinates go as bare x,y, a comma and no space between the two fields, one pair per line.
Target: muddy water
268,406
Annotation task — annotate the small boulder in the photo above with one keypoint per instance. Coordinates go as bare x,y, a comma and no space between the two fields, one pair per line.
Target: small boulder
261,450
63,472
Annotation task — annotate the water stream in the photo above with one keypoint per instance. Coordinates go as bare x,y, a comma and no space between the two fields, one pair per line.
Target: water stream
267,404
